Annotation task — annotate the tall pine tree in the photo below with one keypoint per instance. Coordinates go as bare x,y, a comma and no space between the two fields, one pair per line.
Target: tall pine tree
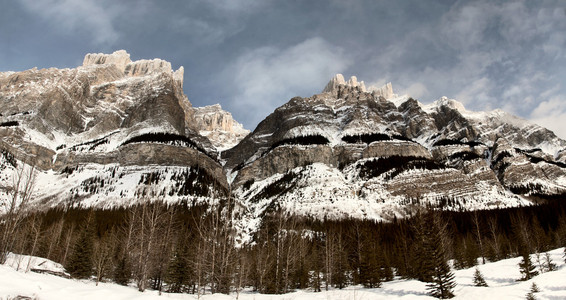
179,272
81,260
526,266
442,282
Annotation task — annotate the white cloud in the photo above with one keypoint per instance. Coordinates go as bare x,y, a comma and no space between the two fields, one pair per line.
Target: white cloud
267,77
417,90
552,115
93,16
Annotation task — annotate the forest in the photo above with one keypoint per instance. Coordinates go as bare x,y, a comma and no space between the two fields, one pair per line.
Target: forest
195,249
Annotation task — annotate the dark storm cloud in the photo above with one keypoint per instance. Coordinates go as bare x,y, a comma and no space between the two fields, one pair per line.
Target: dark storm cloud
252,56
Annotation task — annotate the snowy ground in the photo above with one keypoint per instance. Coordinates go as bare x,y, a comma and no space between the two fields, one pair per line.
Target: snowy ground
500,276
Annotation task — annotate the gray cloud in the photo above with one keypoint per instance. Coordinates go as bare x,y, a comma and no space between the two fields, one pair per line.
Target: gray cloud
267,77
93,16
253,56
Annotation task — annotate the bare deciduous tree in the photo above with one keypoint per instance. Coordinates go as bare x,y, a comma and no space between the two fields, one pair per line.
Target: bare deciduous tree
20,194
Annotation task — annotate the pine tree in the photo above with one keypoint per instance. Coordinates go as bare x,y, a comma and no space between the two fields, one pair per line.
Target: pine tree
531,296
443,282
80,262
122,271
478,278
370,273
526,266
549,266
179,273
531,293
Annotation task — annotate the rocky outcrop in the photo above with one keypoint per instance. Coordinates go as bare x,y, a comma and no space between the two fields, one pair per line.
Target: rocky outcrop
219,126
385,91
119,58
338,80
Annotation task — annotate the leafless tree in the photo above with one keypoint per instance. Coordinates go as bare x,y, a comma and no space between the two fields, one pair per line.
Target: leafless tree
103,254
20,194
478,235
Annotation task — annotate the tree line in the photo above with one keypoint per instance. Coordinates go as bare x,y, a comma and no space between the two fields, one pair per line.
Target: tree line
195,249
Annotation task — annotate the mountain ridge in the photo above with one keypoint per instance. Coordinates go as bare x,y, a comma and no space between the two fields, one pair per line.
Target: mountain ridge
114,132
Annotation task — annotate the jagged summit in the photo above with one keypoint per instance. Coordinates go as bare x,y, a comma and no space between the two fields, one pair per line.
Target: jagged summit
112,130
219,126
385,91
121,59
338,80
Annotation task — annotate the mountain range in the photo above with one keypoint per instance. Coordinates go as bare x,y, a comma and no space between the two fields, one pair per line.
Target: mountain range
114,132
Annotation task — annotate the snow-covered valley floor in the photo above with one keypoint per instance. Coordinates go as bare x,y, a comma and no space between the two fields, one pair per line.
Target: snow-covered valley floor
501,277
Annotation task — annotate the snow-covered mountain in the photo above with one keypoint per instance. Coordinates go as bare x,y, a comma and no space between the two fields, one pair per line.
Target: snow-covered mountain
219,126
106,133
350,152
113,131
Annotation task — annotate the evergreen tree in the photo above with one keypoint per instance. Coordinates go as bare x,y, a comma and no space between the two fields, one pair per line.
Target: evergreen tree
122,271
443,282
80,262
478,278
370,273
424,264
548,264
531,296
178,274
534,288
526,266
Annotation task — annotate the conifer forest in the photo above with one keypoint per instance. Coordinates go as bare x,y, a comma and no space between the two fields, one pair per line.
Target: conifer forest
194,249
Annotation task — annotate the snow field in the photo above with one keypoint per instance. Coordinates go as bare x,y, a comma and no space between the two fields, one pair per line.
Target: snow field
501,277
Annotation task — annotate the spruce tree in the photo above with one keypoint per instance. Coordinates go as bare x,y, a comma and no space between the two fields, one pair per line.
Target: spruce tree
443,282
122,271
531,296
80,262
548,264
179,272
526,266
424,264
370,273
478,278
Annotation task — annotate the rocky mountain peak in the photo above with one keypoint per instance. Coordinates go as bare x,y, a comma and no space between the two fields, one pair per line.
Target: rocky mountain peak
119,58
338,80
333,86
219,126
385,91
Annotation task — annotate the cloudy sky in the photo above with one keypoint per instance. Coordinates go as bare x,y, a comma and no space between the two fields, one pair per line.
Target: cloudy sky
253,56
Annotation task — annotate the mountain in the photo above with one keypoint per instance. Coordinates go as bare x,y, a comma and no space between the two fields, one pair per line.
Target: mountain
106,133
351,152
114,131
219,126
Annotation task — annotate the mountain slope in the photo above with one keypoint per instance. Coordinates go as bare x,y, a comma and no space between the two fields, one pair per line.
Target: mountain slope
350,152
98,130
114,131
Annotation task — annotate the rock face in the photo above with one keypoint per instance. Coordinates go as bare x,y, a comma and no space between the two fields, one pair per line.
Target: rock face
109,113
119,58
114,131
219,127
350,152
